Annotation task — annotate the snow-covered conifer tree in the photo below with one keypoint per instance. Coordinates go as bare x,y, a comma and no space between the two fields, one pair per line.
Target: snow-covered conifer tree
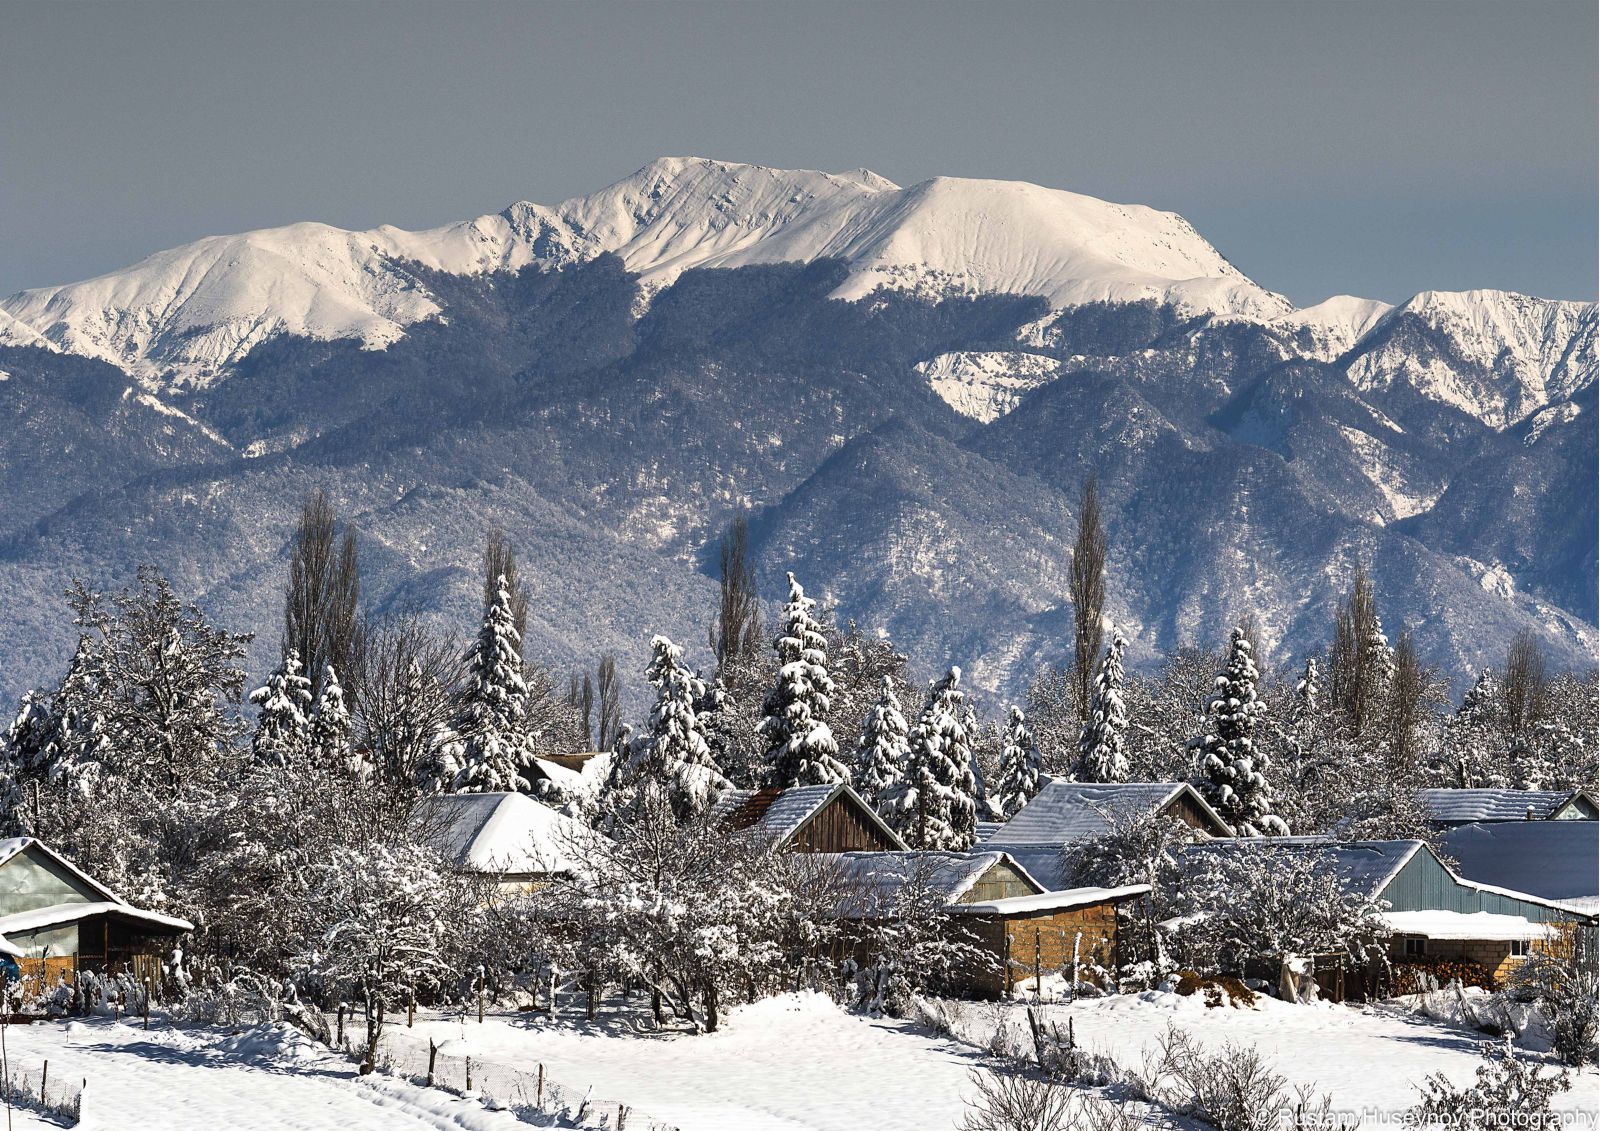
801,747
1102,746
1020,777
331,749
673,754
933,806
494,745
284,702
1232,765
882,754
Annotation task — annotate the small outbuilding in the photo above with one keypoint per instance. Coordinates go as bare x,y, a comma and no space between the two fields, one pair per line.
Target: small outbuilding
1028,932
55,919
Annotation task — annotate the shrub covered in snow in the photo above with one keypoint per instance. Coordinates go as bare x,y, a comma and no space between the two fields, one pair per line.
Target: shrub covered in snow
1509,1091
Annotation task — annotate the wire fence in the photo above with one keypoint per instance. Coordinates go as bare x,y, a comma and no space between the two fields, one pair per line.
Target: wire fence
528,1092
31,1086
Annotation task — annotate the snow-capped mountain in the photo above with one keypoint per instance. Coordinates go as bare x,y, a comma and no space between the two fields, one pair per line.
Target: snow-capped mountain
197,309
575,375
1495,355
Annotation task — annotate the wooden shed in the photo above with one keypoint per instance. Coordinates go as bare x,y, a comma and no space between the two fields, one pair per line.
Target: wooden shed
1026,930
56,919
808,818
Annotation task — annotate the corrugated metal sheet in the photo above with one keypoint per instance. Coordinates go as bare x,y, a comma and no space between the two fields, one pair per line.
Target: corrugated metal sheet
1066,812
1460,806
1550,859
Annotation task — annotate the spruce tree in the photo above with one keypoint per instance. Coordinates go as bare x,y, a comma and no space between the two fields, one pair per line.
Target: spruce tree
1020,777
282,726
331,749
1232,766
674,757
801,747
884,749
494,752
1102,745
933,806
1474,738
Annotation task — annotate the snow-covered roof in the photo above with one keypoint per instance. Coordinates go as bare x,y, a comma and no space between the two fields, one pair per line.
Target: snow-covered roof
781,814
1067,812
501,833
872,879
1050,901
1365,866
1457,925
1460,806
62,913
1556,860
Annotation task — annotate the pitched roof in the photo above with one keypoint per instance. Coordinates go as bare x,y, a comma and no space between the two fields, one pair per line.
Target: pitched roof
1558,860
870,881
1066,812
17,844
782,813
501,833
1365,866
1460,806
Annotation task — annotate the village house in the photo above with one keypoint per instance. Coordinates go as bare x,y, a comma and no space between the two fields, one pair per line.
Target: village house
1432,914
518,842
808,818
1557,859
1066,813
1026,931
55,919
1448,807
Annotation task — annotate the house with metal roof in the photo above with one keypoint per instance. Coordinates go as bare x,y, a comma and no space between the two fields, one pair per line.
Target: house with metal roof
1432,911
1026,931
808,818
56,919
1066,813
1447,807
1558,860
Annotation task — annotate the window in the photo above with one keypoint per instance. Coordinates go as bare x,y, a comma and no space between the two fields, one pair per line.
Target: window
1415,948
1519,948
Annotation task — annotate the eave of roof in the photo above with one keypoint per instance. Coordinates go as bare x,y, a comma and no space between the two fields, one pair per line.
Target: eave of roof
63,913
1050,901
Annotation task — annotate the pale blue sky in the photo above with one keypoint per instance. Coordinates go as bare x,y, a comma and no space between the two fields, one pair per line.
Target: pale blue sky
1368,148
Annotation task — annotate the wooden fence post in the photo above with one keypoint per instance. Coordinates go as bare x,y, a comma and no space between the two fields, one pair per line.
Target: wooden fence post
480,994
469,1074
411,1005
44,1083
339,1040
433,1051
1038,984
622,1117
538,1094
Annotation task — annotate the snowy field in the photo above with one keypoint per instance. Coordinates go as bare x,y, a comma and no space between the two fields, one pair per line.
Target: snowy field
795,1063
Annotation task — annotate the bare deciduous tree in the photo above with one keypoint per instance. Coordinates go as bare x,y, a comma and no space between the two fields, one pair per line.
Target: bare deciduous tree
1088,583
608,703
320,608
735,632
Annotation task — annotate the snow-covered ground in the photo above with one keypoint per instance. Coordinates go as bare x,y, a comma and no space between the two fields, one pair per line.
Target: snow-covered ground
167,1079
794,1063
1370,1060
